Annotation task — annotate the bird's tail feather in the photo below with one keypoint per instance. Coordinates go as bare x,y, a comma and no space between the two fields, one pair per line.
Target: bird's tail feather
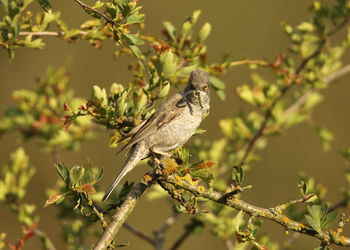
133,158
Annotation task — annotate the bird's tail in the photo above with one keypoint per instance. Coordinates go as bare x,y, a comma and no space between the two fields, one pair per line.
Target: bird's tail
134,156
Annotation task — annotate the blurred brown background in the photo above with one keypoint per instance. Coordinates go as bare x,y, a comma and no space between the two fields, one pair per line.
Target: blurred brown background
245,28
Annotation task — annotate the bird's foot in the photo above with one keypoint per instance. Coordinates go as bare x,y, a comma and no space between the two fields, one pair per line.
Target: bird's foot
156,160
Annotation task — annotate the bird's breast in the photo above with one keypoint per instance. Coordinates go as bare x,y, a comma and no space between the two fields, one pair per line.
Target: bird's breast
177,131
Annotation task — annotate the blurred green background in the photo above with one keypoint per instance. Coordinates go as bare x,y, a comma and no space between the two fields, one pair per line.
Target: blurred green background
248,29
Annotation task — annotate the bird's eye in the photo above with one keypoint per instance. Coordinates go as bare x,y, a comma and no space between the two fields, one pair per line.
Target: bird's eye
205,87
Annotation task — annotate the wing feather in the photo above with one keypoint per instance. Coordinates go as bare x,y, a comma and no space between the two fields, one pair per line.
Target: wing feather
167,112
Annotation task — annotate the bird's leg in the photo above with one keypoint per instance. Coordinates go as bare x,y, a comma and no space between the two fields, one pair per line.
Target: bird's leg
156,151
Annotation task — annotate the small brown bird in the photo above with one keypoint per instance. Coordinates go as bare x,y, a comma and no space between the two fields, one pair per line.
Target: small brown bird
170,126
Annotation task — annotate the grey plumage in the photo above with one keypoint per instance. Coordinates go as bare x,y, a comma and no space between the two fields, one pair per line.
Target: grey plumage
170,126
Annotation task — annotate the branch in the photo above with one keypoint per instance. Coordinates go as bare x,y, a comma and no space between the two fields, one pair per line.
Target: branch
180,240
229,244
47,243
339,73
328,79
252,210
168,223
124,211
243,62
98,213
284,90
88,8
46,33
159,234
295,236
139,233
340,204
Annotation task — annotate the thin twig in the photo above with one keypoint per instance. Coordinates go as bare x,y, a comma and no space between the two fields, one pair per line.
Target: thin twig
139,233
337,74
302,99
47,243
268,112
159,235
243,62
339,27
290,243
180,240
168,223
99,215
229,244
340,204
87,7
47,33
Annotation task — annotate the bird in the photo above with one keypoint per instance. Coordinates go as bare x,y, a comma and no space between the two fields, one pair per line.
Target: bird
169,127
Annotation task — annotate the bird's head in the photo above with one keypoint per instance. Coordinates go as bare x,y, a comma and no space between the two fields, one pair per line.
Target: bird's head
197,89
199,81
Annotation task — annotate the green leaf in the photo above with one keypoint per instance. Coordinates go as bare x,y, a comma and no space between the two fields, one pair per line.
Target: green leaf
314,223
221,94
309,45
195,15
319,218
306,26
217,83
326,137
164,90
71,33
329,219
123,244
63,172
112,10
76,173
54,199
99,175
140,100
246,94
132,40
179,209
45,4
115,89
135,18
98,5
184,155
346,154
136,51
199,131
237,174
171,30
203,174
167,64
35,44
89,176
90,24
238,220
204,32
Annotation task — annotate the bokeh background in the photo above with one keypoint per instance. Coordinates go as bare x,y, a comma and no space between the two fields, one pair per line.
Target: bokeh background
248,29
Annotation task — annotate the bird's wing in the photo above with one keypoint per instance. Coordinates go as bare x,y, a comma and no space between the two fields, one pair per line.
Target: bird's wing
167,112
133,131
